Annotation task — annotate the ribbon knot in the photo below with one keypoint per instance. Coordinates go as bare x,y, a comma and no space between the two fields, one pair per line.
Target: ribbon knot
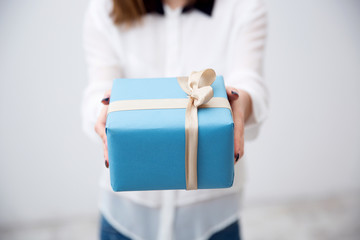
202,95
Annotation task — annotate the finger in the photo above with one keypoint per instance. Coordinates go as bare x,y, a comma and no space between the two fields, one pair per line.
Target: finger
238,132
106,150
100,130
238,140
232,93
106,156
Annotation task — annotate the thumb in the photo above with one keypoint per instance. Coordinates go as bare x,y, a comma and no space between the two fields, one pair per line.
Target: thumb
106,98
232,93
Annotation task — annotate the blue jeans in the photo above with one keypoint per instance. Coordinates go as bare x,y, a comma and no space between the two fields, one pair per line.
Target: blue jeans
107,232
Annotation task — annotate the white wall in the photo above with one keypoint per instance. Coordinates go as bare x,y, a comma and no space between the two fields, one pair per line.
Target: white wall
309,147
48,168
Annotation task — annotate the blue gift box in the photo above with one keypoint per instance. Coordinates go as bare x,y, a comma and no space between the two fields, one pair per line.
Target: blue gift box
147,146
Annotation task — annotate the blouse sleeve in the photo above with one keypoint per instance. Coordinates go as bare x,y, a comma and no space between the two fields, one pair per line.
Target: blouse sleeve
244,69
102,62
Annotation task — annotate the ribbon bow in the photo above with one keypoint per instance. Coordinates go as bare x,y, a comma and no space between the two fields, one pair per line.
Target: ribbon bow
199,90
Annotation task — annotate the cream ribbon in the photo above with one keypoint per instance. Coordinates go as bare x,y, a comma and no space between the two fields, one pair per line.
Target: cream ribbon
200,95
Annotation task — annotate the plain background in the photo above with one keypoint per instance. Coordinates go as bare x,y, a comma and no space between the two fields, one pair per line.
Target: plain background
309,148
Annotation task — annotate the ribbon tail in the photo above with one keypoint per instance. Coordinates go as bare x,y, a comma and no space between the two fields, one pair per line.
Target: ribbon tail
191,145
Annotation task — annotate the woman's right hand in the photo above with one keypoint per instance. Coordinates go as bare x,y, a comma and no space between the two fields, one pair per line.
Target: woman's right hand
100,125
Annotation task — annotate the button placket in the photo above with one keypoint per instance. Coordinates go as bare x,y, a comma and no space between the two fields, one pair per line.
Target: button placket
167,213
173,40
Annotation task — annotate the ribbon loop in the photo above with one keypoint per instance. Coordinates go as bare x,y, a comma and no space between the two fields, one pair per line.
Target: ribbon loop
197,80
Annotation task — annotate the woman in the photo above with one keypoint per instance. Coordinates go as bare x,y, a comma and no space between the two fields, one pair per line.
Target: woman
154,38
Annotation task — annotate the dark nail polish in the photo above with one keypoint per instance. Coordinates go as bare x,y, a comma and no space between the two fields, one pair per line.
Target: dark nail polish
106,164
237,157
235,93
105,99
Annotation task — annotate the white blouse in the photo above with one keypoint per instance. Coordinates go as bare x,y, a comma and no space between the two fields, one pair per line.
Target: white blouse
231,41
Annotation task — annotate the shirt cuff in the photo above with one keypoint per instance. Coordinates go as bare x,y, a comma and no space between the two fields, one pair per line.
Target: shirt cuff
252,83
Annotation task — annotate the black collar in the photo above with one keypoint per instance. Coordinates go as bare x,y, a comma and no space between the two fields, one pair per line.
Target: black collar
156,6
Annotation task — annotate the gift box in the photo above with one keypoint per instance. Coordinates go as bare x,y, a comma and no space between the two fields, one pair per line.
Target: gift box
170,133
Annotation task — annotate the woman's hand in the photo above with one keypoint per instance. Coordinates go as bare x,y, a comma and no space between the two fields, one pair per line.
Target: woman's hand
100,125
240,102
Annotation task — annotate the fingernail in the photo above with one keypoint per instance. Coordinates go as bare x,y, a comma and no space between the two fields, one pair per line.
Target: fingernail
106,164
237,157
234,92
106,99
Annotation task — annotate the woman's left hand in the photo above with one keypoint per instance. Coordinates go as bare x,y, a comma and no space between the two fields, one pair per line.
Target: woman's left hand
240,102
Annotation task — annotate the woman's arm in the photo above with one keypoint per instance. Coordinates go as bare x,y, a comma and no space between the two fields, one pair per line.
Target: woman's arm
244,71
103,66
